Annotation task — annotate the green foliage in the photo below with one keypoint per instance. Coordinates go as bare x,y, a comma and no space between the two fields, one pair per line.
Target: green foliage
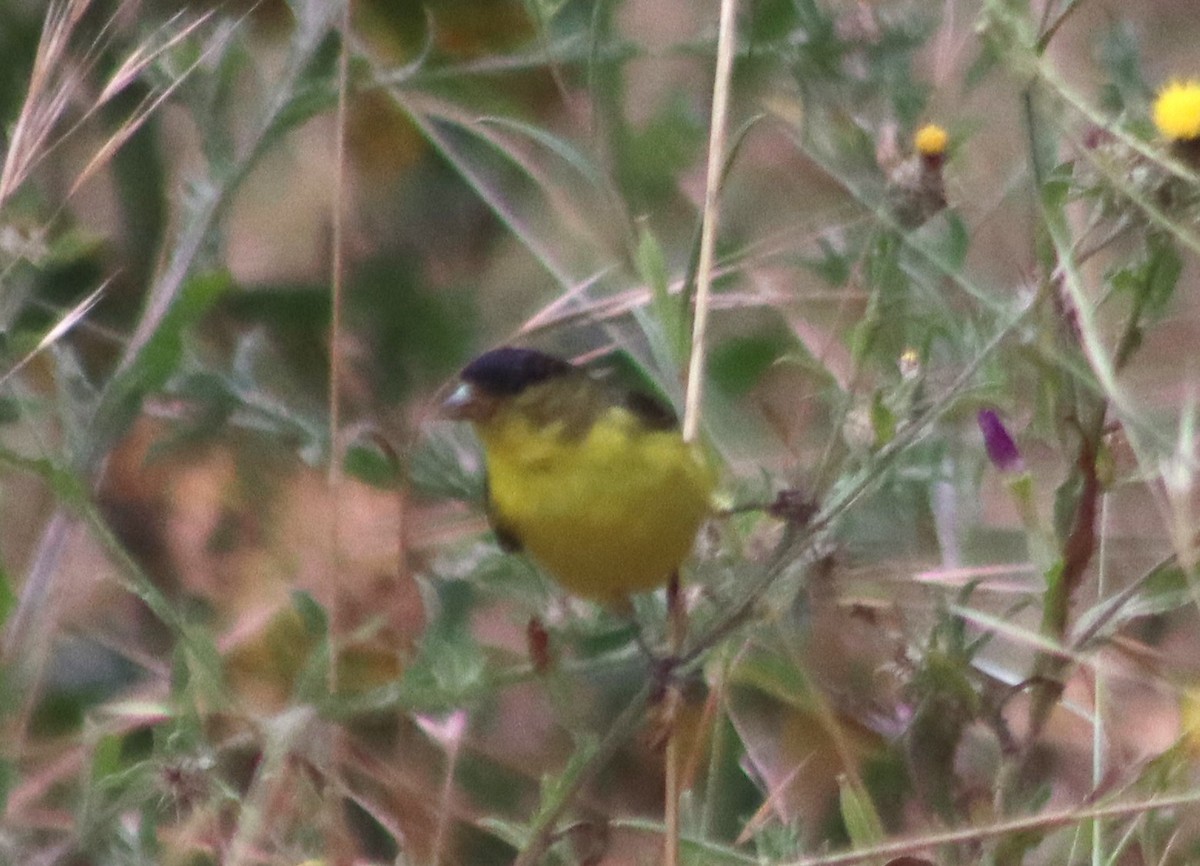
1121,58
652,157
417,336
737,364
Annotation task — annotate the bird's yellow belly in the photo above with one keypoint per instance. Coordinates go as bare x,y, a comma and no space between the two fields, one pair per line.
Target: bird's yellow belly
609,514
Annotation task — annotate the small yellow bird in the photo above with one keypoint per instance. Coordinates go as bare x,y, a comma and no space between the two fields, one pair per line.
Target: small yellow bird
594,482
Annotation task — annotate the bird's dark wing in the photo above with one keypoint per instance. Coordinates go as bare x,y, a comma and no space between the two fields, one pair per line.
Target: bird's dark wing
506,538
629,385
651,411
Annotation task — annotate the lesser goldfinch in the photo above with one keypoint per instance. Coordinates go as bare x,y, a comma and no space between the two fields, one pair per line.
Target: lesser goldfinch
595,483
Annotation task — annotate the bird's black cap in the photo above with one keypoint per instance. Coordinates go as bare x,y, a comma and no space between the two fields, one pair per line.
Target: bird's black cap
507,371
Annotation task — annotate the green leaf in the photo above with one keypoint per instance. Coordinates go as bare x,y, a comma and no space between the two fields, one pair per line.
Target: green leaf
106,757
456,663
416,336
1152,280
76,397
1165,590
1057,188
315,620
8,780
181,677
883,421
1121,58
516,835
668,309
307,102
371,464
448,464
556,144
545,11
834,266
451,665
8,598
738,364
200,658
950,242
555,788
651,160
776,676
10,410
863,823
1066,502
159,358
311,684
312,91
69,247
862,335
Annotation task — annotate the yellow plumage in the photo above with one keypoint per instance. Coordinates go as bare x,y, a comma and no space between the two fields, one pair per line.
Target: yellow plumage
598,488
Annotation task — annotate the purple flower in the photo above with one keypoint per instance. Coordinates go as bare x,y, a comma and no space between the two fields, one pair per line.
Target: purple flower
1001,448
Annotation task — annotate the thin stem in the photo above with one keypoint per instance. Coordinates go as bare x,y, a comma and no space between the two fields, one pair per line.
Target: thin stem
1099,756
337,288
676,626
338,266
726,40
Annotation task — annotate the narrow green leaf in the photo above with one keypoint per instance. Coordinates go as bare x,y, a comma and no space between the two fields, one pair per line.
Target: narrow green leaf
158,359
668,309
738,364
315,619
1120,56
951,241
311,683
883,421
8,598
555,788
106,757
863,823
371,465
556,144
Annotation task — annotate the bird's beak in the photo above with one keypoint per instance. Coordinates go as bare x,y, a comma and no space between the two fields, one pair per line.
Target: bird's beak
458,405
467,404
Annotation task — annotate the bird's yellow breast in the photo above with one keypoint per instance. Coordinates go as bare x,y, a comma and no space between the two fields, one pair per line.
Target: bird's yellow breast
609,510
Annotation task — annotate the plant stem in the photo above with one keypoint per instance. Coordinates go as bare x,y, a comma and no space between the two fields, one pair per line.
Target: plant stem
726,40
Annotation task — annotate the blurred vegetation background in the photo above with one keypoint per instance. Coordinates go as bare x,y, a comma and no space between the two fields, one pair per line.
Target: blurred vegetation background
251,609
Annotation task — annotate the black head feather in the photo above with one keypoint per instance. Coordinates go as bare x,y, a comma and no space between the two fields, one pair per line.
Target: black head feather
507,371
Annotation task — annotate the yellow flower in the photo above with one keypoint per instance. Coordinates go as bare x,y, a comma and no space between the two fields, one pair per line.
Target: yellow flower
930,140
1177,111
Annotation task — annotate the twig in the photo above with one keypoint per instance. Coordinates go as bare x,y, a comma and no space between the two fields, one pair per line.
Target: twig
693,400
1100,695
337,287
